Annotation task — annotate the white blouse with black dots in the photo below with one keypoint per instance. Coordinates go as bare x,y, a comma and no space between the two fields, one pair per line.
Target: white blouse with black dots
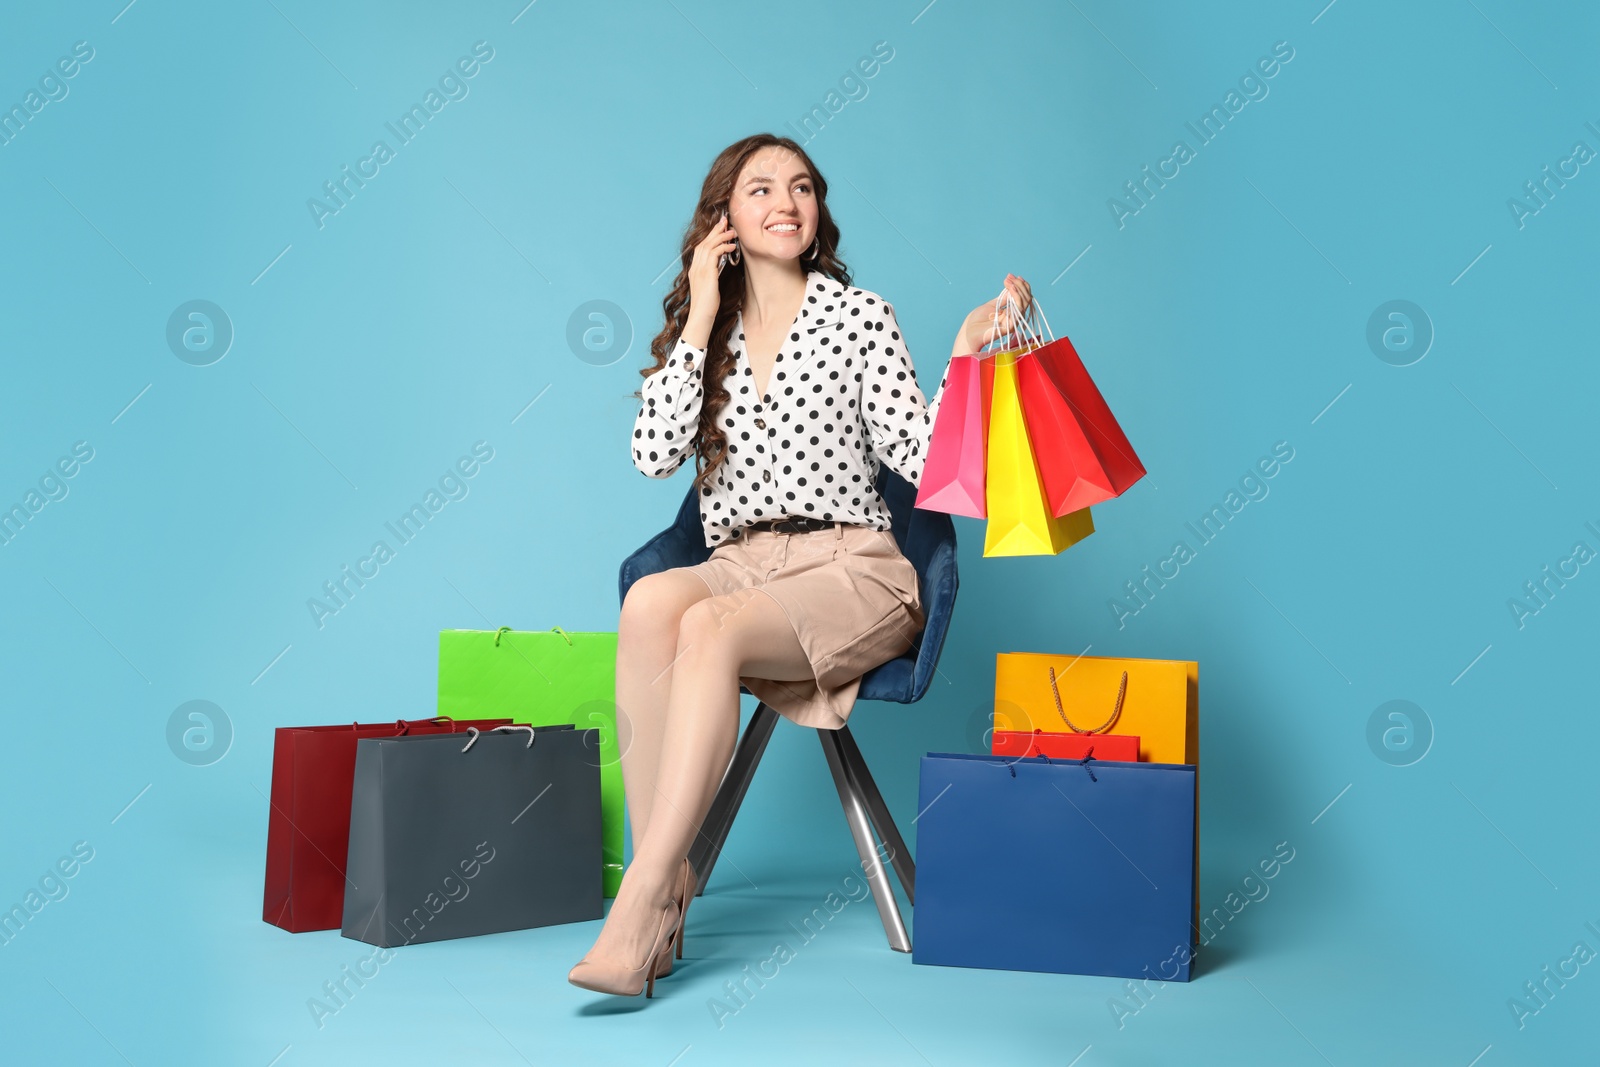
842,395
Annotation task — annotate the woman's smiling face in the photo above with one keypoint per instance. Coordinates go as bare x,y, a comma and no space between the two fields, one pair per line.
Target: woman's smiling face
773,208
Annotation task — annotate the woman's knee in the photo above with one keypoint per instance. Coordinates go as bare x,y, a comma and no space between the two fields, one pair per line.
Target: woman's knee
724,629
656,602
709,629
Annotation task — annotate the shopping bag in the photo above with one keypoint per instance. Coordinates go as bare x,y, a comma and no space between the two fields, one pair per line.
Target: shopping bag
1016,734
1074,867
1022,744
952,475
1020,521
1083,455
308,825
1161,703
545,678
455,840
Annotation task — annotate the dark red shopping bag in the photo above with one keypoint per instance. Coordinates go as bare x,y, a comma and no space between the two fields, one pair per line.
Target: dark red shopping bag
308,831
1084,457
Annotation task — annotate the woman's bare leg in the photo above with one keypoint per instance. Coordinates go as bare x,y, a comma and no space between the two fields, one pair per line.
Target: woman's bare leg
720,640
647,645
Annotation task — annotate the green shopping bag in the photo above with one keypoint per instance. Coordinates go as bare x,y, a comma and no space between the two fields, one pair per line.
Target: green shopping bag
545,678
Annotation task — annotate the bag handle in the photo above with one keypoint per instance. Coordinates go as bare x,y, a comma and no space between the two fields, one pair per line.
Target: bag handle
1084,763
1021,327
1047,330
1030,328
474,731
402,727
1116,712
506,629
1029,334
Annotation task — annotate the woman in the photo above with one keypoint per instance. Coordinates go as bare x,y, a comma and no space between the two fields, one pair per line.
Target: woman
789,386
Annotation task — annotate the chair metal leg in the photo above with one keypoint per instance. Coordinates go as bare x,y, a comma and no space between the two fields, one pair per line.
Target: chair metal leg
855,813
736,779
904,866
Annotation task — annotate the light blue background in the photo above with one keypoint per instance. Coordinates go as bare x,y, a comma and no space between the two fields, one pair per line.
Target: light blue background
1224,317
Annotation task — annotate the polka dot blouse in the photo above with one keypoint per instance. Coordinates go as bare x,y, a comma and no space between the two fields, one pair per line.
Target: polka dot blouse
841,396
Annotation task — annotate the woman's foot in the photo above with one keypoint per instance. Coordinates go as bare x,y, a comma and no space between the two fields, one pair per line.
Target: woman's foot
610,975
637,940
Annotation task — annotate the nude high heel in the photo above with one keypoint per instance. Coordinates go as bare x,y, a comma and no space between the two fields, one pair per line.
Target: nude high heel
683,894
685,897
604,975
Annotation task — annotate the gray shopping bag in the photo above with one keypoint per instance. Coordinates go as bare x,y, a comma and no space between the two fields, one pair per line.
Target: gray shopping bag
454,835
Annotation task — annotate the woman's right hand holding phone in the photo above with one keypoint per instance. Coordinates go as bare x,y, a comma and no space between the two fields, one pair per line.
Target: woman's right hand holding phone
704,268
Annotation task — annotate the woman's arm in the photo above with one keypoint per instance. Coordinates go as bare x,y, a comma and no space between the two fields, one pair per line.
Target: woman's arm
663,433
899,420
669,414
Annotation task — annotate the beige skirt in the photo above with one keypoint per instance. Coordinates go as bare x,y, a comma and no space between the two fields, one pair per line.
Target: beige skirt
849,593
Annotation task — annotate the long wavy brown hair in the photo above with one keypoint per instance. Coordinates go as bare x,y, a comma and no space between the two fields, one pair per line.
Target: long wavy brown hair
710,441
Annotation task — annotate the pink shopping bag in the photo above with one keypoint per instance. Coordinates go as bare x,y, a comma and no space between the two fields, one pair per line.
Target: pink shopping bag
952,476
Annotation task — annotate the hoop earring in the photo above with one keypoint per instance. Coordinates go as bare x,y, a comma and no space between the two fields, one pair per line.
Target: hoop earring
816,247
733,257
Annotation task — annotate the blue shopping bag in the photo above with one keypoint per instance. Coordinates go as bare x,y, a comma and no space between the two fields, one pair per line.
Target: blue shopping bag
1070,866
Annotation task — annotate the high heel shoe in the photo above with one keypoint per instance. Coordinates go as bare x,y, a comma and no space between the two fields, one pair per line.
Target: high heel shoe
604,975
683,893
685,898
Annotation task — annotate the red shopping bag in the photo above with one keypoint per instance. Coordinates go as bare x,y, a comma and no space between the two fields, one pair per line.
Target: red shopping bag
1084,457
1120,748
308,831
952,475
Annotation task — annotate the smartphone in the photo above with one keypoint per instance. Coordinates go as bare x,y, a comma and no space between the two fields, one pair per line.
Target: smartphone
722,261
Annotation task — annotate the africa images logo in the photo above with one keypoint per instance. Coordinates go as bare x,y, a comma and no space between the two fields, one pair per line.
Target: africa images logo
452,87
1253,84
454,484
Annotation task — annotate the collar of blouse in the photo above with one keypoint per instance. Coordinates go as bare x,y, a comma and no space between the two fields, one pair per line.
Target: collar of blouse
810,329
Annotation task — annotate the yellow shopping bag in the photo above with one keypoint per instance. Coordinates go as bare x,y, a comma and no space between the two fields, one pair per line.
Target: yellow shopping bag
1161,706
1020,521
